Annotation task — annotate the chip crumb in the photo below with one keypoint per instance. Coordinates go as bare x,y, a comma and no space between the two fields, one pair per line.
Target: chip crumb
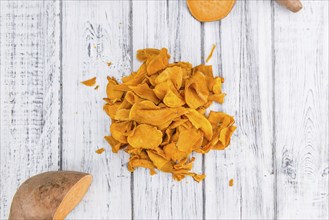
211,52
231,182
100,150
109,64
89,82
96,87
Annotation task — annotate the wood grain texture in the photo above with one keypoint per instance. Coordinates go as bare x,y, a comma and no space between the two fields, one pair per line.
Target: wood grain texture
167,24
29,95
94,33
301,111
275,65
243,58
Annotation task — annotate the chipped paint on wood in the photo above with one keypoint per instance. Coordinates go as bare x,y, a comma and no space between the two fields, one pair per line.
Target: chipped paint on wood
29,93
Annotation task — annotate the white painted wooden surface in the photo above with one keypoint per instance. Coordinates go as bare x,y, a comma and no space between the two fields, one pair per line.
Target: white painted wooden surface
275,65
94,33
29,93
301,112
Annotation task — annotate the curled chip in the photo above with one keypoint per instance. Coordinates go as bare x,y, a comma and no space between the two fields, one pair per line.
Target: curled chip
158,114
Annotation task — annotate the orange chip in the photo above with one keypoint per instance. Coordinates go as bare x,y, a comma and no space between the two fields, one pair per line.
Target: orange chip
174,74
120,130
100,150
231,182
111,109
199,121
145,136
160,162
146,112
114,143
196,90
187,139
147,53
141,163
158,62
173,100
112,92
173,153
89,82
144,91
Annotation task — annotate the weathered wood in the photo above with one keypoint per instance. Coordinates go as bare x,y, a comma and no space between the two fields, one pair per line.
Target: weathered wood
185,45
243,58
29,93
301,111
94,33
275,65
167,24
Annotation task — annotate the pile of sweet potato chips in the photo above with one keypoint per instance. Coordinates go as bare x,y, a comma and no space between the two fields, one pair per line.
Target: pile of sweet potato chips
158,114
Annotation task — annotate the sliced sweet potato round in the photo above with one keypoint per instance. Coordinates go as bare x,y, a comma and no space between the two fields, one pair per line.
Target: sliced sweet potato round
210,10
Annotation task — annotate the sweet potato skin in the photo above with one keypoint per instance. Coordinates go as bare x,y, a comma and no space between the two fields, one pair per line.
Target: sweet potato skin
39,196
292,5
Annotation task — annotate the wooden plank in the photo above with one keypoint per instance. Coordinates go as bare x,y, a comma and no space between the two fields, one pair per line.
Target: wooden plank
29,93
301,111
185,45
243,58
94,33
167,24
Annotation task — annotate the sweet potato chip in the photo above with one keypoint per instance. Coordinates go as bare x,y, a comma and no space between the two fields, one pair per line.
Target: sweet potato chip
158,114
173,100
146,112
100,150
132,98
145,136
111,109
173,153
122,115
196,90
89,82
161,89
112,92
158,62
147,53
144,91
136,77
114,143
217,98
134,151
174,74
141,163
199,121
120,130
160,162
231,182
187,139
217,87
